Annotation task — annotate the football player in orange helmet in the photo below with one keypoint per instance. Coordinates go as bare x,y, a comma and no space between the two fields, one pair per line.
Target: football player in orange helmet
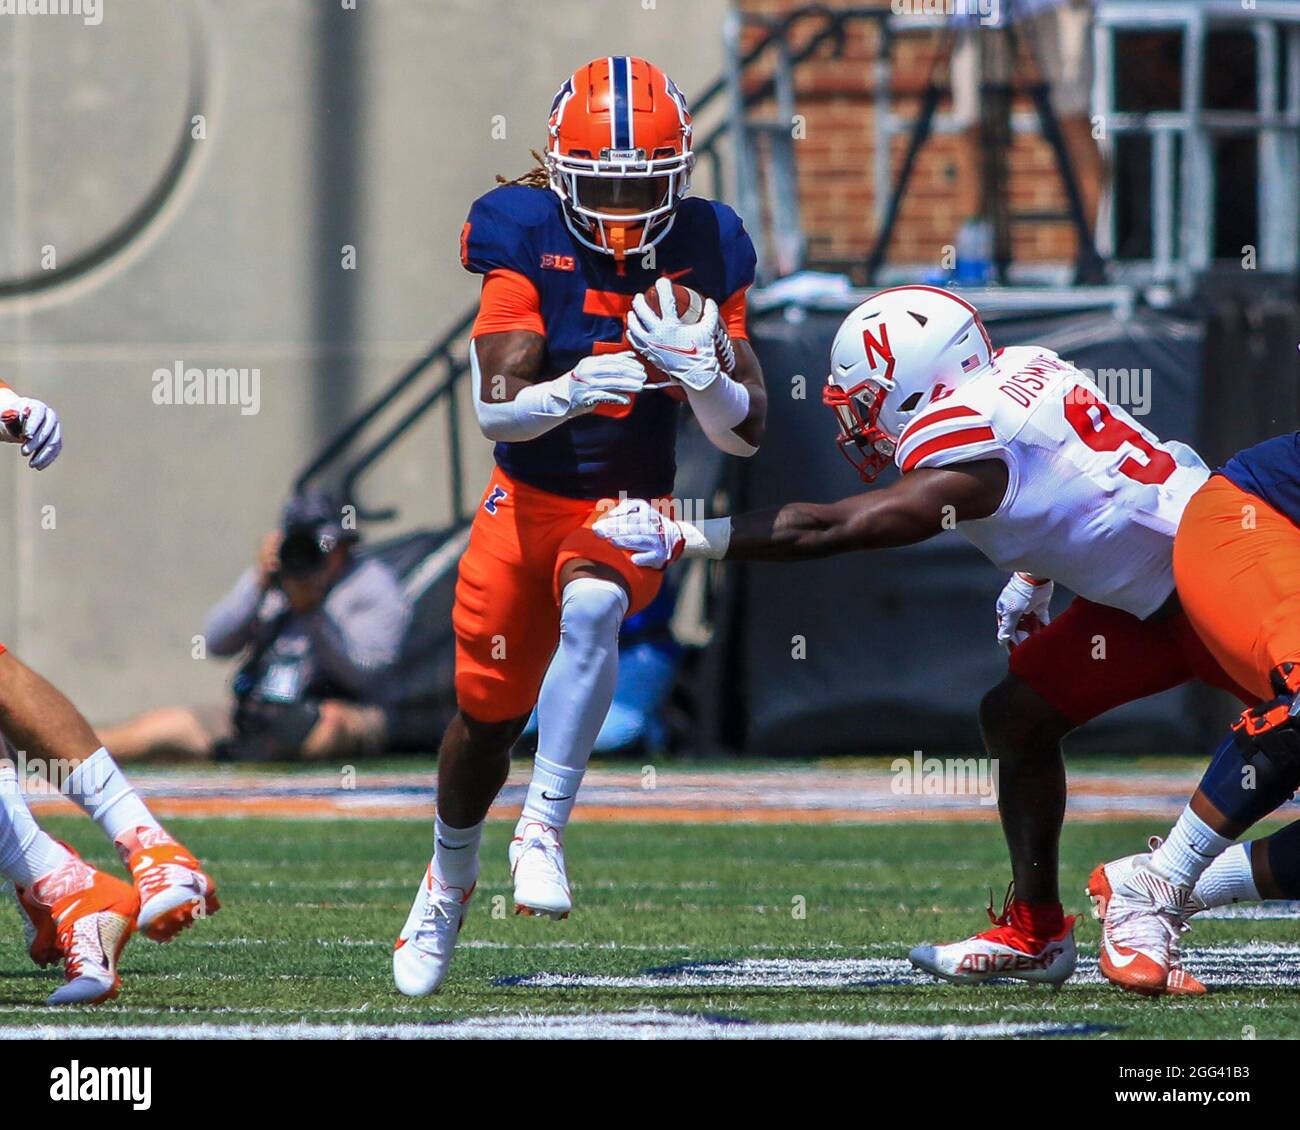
559,353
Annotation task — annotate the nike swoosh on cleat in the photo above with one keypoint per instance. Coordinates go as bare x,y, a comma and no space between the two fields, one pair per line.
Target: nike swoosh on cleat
1115,956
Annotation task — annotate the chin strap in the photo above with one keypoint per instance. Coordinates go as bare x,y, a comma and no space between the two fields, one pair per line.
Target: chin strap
618,244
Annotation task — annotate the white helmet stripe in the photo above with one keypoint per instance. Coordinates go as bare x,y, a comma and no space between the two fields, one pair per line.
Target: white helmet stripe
631,116
613,109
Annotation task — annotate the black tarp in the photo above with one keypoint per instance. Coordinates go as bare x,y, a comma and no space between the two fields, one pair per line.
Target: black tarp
898,646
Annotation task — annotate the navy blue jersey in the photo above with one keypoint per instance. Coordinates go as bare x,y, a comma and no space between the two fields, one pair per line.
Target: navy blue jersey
584,301
1271,471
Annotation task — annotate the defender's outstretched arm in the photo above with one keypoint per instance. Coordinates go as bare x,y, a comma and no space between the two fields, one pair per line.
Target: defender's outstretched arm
921,504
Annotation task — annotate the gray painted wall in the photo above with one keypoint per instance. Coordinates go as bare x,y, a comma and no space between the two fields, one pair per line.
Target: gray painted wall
127,245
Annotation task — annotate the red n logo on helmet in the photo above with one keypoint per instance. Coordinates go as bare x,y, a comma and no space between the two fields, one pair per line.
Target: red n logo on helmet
879,346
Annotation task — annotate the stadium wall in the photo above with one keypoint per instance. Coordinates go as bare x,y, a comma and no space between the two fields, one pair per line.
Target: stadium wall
182,184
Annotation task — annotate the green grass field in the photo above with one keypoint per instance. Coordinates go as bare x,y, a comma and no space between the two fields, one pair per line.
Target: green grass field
311,910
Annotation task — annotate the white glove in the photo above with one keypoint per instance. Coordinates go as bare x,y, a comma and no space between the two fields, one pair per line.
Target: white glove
686,353
654,539
1022,610
34,424
607,378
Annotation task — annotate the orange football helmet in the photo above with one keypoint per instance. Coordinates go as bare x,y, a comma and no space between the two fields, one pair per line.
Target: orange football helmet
619,153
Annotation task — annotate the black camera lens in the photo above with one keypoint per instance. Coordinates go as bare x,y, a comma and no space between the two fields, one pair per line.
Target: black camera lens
301,553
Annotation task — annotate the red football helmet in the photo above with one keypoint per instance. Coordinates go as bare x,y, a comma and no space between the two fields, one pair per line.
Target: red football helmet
619,153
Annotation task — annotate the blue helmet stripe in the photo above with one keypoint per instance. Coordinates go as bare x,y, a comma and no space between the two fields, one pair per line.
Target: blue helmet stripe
620,70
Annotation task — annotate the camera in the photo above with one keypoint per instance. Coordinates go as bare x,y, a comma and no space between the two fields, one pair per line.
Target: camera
303,551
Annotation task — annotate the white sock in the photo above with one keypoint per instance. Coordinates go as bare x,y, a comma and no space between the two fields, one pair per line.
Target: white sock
550,794
100,789
455,854
1229,879
1191,847
27,852
575,697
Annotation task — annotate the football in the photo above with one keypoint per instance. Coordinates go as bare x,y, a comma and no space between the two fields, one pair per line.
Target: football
690,309
690,303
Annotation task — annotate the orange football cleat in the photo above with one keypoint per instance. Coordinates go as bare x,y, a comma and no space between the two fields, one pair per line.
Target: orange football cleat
38,924
1143,917
94,916
39,928
174,891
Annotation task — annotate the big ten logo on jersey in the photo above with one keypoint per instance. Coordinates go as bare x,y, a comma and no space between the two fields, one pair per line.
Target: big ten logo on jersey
1027,384
609,304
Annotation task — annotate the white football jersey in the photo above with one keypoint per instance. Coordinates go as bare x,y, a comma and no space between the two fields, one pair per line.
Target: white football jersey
1093,498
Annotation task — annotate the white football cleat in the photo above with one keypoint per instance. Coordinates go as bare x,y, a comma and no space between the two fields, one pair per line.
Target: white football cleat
537,864
994,954
1012,948
423,952
1143,917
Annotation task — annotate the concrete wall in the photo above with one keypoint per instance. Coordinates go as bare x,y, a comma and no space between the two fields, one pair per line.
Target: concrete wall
133,238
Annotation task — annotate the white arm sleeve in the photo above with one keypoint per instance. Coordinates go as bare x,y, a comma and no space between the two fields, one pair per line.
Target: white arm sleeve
535,410
720,407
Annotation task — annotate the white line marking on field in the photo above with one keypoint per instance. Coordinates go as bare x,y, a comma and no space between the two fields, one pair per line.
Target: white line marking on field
1279,910
647,1024
1219,966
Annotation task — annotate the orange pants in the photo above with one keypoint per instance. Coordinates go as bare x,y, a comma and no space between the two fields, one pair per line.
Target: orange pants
507,611
1237,567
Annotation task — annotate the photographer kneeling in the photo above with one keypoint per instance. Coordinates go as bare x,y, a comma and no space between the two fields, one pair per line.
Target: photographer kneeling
320,631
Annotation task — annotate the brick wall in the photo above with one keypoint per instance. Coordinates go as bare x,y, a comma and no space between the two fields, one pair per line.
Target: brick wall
838,195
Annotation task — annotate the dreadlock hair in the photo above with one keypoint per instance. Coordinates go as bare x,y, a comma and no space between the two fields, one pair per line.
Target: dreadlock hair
536,177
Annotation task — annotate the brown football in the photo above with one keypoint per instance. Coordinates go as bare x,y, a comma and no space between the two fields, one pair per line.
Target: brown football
690,303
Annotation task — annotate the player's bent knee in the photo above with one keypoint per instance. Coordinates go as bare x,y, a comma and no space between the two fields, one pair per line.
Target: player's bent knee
1013,718
592,610
491,737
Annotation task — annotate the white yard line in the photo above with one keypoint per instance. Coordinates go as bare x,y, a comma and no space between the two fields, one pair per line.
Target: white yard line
649,1024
